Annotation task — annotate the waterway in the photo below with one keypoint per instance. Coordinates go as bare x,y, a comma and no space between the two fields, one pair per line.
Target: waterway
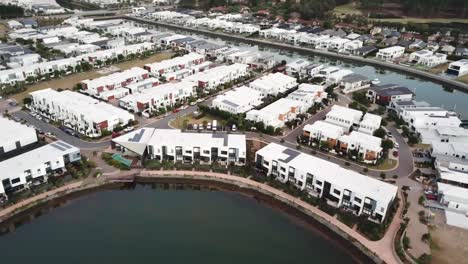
146,225
433,93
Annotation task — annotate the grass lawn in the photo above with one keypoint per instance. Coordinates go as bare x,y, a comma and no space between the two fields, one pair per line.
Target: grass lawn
71,80
388,164
406,20
463,78
439,68
348,9
179,121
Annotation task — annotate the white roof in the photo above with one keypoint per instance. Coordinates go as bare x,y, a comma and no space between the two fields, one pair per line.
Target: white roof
137,140
452,175
34,158
159,91
453,193
174,62
345,113
12,131
456,219
371,120
326,129
240,96
364,140
333,173
114,78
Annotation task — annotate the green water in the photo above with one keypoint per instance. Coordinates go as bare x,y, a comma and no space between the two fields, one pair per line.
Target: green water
157,226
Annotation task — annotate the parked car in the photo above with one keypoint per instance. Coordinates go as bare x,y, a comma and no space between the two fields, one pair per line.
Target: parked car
396,145
128,129
176,110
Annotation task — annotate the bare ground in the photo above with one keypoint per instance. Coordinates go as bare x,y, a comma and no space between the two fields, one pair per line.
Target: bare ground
449,244
68,82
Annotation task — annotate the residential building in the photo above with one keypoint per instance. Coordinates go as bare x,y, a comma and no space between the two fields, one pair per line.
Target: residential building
427,58
343,116
336,77
351,46
458,68
277,113
142,85
273,84
15,136
384,94
321,131
212,78
310,71
390,53
36,165
341,187
370,123
172,65
295,67
456,201
79,112
361,146
238,100
308,94
161,96
354,82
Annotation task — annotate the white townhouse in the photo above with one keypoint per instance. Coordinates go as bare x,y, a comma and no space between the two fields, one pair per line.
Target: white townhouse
277,113
458,68
309,94
244,56
370,123
114,81
351,46
321,131
36,165
157,97
310,71
343,116
238,100
326,72
338,44
172,65
427,58
178,146
390,53
451,157
273,84
456,200
336,77
367,147
15,136
23,60
294,68
343,188
212,78
79,112
142,85
430,123
354,82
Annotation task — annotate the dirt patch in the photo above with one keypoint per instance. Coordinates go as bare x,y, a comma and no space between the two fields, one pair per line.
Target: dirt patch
449,244
439,68
3,30
463,78
68,82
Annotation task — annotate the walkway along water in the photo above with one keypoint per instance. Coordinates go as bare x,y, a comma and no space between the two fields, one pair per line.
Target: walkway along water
304,50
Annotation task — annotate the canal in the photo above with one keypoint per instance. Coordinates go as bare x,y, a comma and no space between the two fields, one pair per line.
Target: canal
431,92
145,225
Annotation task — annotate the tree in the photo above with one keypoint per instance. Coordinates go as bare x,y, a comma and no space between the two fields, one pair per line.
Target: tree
387,144
380,132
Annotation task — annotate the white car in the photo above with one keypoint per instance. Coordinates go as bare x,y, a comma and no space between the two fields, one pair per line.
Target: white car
396,145
128,129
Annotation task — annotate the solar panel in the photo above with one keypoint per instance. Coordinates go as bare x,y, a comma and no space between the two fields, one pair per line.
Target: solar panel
291,155
63,144
137,137
57,147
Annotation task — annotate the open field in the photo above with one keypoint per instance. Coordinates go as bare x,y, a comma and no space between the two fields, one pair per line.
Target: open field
189,119
463,78
449,244
68,82
439,68
347,9
3,30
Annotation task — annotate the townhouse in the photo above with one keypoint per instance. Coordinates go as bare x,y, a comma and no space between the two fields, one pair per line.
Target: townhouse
277,113
177,146
351,46
455,199
172,65
384,94
370,123
142,85
212,78
434,124
310,71
361,146
114,81
308,94
273,84
354,82
161,96
36,165
341,187
390,53
427,58
458,68
321,132
79,112
295,67
337,76
238,100
344,117
15,136
337,44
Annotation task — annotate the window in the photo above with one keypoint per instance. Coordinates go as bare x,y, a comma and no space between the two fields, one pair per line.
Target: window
337,192
16,180
357,200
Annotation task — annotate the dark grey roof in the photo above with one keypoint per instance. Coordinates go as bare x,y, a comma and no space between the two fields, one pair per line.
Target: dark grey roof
224,136
292,154
230,103
366,49
138,135
354,77
391,89
312,66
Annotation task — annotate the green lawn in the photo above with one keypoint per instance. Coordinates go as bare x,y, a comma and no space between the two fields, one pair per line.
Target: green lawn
388,164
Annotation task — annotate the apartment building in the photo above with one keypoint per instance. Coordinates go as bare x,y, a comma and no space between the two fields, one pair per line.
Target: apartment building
390,53
79,112
343,116
238,100
321,131
277,113
309,94
173,65
157,97
273,84
36,165
212,78
341,187
354,82
114,81
15,136
365,146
